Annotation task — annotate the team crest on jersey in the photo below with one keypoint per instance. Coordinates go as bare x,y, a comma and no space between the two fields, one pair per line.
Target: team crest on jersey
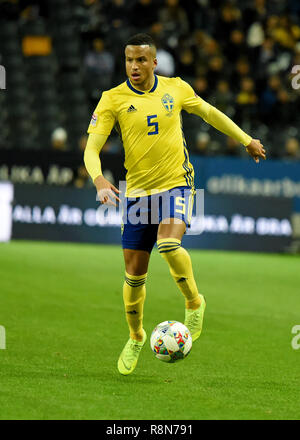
168,103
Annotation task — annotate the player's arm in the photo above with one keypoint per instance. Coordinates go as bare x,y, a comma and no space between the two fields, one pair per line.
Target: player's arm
101,124
105,189
196,105
91,158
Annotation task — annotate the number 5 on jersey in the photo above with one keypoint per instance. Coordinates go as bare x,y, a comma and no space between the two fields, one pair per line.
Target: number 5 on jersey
152,124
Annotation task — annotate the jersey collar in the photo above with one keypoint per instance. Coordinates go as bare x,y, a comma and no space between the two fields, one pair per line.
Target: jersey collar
139,92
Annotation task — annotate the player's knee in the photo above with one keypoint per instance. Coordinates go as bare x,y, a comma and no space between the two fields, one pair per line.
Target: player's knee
136,269
136,262
167,246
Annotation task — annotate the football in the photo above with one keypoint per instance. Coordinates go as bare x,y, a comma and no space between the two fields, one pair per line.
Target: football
171,341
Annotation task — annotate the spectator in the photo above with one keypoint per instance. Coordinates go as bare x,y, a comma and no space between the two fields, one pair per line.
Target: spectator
216,71
117,13
198,14
268,101
174,19
291,149
205,48
165,63
232,148
265,54
59,139
157,33
285,32
211,47
99,66
296,55
255,35
202,144
94,15
236,46
241,70
223,97
83,179
200,86
229,18
205,146
284,100
247,93
186,63
246,101
271,25
260,10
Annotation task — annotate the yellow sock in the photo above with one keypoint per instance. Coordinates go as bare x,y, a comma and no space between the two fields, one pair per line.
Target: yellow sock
134,294
180,266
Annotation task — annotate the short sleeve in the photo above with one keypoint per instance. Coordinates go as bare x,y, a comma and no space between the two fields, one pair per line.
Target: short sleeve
103,118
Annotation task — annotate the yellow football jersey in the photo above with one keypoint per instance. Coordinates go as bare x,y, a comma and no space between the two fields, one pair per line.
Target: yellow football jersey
149,123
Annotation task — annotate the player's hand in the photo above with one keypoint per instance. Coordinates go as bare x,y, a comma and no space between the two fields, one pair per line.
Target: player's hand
256,150
106,191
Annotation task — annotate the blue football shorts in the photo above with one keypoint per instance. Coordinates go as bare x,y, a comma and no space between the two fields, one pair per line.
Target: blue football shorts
141,215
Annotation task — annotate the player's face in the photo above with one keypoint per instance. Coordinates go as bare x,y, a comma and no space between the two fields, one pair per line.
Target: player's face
140,64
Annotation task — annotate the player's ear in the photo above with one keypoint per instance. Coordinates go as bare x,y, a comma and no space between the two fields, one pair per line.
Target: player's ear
153,53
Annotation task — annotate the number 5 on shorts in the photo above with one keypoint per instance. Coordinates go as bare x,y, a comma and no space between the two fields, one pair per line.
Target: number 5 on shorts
179,201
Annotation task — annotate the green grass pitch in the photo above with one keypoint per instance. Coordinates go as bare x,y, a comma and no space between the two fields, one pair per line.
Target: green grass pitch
62,308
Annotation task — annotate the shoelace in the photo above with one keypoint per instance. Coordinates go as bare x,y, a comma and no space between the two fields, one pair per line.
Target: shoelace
136,348
193,318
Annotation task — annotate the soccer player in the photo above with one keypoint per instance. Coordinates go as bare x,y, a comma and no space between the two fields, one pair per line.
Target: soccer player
146,111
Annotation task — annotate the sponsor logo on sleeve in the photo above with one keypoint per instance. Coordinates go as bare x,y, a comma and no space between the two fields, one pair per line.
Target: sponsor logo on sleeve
94,120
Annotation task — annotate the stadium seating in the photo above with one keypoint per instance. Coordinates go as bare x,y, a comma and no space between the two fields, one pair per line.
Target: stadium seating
43,46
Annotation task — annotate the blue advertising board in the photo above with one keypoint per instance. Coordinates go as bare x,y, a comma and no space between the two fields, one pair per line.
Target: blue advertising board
244,177
228,222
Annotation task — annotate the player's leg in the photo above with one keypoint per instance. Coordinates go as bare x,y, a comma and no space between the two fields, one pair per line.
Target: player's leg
137,242
169,237
134,290
134,294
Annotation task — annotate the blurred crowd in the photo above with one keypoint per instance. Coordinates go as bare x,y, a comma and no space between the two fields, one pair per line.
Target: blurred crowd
237,55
